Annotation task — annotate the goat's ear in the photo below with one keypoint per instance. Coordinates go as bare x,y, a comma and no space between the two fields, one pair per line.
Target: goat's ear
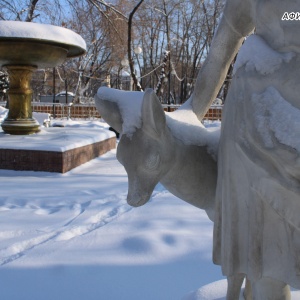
153,115
109,111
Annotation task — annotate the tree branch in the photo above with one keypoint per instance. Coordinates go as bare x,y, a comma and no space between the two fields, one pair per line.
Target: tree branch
32,6
129,46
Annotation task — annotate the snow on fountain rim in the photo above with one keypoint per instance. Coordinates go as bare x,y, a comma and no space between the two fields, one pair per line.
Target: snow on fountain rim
42,32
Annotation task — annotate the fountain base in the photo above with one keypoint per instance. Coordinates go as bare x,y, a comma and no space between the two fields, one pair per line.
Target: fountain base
20,127
54,149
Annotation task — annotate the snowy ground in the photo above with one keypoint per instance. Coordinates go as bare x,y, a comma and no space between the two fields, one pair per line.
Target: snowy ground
74,237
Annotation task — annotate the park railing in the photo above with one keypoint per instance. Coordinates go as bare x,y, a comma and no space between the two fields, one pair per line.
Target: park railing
73,111
89,111
213,114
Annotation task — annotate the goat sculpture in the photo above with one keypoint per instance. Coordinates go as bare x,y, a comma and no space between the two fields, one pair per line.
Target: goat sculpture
174,149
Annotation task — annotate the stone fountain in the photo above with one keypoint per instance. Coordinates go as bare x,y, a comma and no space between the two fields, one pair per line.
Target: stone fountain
25,47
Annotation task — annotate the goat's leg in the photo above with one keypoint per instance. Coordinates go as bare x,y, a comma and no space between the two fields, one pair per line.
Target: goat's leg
234,286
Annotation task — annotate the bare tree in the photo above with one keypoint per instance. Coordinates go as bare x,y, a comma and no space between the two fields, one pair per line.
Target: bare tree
116,15
183,29
129,45
44,11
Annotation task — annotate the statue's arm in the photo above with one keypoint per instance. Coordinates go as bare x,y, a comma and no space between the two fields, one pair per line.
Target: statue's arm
236,23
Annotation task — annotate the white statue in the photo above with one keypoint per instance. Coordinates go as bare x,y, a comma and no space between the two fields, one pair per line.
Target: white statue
257,224
257,220
152,150
174,149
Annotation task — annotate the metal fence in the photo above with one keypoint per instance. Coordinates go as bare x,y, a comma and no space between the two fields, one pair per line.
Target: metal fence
89,111
73,111
214,113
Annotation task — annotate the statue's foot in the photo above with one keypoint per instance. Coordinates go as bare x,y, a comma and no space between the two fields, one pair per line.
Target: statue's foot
270,289
248,290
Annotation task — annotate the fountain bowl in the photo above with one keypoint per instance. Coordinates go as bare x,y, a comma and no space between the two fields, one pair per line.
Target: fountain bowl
25,47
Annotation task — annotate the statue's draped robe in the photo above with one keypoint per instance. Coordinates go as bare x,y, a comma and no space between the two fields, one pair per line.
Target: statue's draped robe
257,224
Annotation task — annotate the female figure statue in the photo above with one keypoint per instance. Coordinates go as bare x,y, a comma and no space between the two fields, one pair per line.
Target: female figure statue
257,223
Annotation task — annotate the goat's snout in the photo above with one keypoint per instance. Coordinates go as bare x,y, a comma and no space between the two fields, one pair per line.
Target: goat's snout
139,191
137,198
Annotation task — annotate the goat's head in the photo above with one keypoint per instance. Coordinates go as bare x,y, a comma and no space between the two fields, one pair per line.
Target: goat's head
145,148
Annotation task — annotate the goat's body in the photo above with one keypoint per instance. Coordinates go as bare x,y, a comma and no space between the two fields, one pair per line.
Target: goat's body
192,176
156,151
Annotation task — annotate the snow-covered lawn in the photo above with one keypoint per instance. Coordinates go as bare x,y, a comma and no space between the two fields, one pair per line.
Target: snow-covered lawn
73,237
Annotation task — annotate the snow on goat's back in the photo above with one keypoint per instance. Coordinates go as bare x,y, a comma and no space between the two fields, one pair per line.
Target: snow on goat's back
183,123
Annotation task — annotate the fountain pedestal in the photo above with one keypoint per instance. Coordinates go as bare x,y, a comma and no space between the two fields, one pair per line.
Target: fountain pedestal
19,119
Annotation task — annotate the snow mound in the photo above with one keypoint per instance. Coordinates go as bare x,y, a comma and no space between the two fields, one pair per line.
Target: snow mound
213,291
3,113
217,291
41,117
